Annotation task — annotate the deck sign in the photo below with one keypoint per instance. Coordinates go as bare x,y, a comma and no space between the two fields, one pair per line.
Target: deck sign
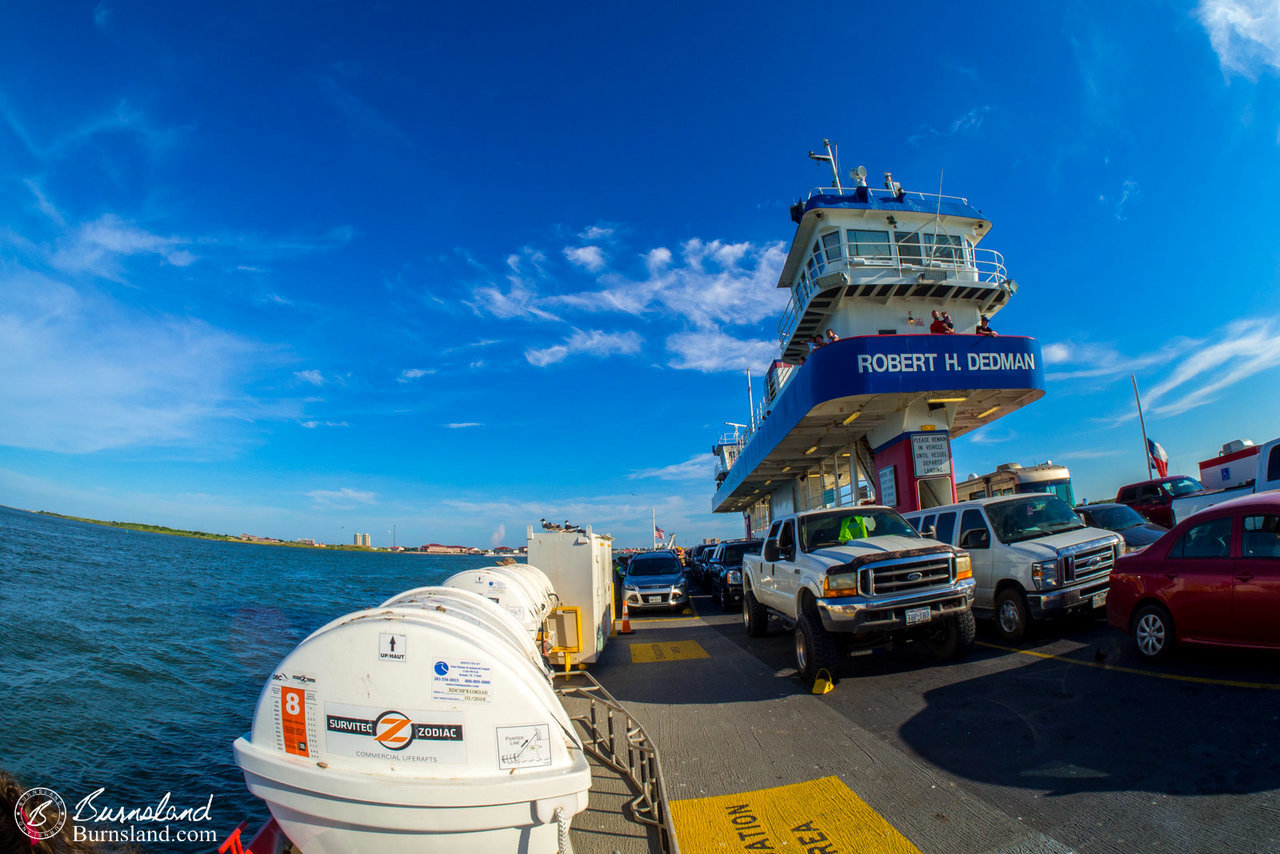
818,817
932,454
888,487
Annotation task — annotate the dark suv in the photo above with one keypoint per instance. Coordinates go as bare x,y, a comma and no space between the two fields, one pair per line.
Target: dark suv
724,572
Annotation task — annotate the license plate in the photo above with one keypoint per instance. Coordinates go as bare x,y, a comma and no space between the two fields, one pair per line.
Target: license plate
653,599
1100,599
917,615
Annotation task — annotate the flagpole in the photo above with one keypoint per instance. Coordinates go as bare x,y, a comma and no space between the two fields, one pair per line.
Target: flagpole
1146,444
654,525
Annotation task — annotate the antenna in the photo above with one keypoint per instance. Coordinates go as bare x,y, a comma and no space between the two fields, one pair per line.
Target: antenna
830,157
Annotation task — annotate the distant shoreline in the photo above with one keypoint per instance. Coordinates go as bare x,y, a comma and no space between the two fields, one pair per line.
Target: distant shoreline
200,535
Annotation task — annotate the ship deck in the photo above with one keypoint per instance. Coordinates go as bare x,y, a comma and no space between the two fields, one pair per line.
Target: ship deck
1065,743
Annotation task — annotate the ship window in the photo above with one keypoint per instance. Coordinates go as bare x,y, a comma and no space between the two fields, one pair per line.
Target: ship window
942,247
831,245
869,244
908,248
816,265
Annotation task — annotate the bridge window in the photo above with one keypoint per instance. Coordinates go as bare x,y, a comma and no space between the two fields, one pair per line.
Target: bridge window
908,248
816,264
873,245
831,245
943,247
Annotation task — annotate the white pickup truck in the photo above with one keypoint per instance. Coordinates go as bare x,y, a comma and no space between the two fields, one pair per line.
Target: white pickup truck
857,578
1266,477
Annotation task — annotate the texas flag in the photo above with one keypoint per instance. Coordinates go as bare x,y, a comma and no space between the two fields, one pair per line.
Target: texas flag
1159,458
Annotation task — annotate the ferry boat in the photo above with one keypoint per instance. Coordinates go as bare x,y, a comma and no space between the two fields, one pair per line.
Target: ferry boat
870,413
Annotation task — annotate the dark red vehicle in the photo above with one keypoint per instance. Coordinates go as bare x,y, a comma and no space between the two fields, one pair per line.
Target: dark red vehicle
1153,498
1214,579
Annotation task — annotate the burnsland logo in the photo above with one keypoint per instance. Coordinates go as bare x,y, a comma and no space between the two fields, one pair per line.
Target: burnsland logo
40,812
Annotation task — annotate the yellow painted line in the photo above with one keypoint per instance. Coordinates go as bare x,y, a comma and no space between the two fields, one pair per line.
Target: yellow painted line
818,817
1172,677
664,619
647,653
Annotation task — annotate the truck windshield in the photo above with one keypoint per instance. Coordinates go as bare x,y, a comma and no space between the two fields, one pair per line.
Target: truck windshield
839,527
1183,486
733,552
1030,517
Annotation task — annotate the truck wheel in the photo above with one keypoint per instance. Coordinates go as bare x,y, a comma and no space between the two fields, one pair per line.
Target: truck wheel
815,649
954,637
754,616
1012,616
1152,632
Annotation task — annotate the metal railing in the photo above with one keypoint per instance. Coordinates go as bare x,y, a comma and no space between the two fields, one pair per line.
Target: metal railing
983,266
884,194
618,741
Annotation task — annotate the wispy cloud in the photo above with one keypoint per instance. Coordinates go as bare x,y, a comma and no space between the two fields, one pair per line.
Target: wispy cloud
1243,349
711,350
97,247
596,232
588,257
991,437
968,123
714,284
592,342
339,498
1201,369
459,425
311,425
312,376
1129,191
1245,34
364,120
1085,360
101,375
1095,454
414,373
700,467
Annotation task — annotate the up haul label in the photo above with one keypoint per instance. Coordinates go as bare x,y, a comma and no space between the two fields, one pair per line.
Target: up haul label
413,735
818,817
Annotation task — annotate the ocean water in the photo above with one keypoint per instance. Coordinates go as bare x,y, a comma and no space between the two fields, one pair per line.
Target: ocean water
131,661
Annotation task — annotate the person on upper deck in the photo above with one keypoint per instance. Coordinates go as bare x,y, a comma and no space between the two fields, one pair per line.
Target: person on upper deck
946,318
831,336
939,327
984,328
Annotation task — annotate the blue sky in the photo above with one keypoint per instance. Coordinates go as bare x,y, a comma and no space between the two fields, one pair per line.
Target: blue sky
306,270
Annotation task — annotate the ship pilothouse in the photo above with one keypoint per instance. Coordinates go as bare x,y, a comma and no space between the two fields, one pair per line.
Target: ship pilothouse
870,413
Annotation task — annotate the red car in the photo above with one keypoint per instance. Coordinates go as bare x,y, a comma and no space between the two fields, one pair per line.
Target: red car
1214,579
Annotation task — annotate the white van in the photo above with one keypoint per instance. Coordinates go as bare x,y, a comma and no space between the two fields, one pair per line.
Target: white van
1032,556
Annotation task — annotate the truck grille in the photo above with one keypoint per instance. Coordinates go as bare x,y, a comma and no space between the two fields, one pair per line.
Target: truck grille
890,577
1090,562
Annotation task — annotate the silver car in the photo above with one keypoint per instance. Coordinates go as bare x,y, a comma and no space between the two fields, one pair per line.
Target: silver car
655,580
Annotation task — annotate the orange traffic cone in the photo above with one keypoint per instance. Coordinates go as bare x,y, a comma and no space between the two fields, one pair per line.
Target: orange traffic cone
626,620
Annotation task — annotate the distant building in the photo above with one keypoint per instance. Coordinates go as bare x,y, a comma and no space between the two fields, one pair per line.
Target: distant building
441,549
